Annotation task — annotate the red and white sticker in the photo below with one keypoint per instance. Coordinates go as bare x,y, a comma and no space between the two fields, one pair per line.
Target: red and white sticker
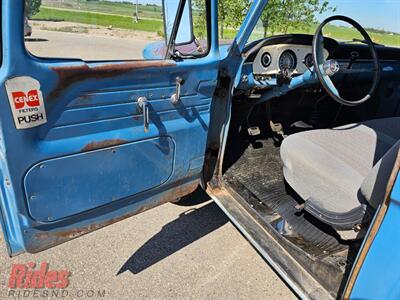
26,101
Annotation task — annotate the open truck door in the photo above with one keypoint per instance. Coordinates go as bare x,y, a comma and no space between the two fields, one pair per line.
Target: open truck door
86,144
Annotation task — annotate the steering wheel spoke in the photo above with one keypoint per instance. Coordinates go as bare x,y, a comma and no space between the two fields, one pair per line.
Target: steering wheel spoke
320,48
329,82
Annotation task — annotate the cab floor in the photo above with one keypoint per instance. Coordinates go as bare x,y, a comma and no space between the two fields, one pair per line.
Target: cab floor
257,177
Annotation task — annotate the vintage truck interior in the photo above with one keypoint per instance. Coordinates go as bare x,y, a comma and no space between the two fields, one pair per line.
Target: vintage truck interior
295,135
310,150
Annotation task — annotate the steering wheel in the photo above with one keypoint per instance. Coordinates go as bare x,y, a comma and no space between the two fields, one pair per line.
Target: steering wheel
326,69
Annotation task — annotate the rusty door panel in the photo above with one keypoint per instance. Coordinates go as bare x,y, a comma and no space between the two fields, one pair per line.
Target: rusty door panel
92,110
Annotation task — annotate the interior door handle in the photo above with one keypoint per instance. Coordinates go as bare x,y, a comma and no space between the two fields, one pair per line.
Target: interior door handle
175,98
143,107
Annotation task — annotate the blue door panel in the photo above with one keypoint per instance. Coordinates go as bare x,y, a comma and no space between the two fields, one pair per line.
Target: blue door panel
134,122
65,186
74,116
105,97
62,179
379,277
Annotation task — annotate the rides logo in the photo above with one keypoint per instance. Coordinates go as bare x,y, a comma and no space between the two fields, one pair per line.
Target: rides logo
31,276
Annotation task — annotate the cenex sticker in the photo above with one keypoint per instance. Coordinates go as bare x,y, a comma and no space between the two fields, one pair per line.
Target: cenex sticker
26,101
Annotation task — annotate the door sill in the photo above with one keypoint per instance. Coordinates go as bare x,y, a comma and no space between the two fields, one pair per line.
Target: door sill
249,224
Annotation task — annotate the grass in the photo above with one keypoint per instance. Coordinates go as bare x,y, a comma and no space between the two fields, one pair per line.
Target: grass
100,19
348,33
342,33
119,15
118,8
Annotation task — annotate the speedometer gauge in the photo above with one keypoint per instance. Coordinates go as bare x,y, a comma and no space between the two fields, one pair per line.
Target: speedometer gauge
288,61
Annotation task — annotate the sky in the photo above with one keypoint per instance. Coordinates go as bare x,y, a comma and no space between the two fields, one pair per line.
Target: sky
379,14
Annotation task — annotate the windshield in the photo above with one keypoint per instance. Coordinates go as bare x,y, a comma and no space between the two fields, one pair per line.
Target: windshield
381,19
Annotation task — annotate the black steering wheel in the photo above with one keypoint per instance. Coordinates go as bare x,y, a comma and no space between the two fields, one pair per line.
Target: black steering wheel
327,68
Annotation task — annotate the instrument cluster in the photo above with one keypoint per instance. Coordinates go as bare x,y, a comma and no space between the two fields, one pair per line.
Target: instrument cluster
288,58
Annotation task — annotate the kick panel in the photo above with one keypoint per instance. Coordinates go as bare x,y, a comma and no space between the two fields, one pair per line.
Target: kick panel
66,186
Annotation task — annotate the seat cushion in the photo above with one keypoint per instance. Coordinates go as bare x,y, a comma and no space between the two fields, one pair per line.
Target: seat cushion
329,166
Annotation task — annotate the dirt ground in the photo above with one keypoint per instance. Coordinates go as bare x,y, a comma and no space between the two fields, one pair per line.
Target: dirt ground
86,42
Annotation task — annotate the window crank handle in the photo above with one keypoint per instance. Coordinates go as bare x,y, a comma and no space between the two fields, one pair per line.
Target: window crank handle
143,107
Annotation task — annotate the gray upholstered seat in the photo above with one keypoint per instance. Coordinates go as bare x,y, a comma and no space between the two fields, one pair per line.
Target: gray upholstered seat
338,170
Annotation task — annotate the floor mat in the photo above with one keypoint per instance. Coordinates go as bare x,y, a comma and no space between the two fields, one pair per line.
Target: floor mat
259,171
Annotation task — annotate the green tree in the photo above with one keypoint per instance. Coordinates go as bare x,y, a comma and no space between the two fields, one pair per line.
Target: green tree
231,14
199,19
282,15
32,7
279,16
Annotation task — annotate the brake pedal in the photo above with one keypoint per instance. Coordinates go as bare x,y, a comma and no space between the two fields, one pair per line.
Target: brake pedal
254,131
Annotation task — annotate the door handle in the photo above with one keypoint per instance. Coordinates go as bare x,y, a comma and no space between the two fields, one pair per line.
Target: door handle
175,98
143,107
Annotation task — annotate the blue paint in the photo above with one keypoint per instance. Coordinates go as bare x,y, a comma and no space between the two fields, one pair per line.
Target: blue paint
91,110
249,23
270,86
62,187
234,60
379,277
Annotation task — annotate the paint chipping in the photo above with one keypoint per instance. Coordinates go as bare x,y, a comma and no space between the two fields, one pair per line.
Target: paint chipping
103,144
56,238
69,75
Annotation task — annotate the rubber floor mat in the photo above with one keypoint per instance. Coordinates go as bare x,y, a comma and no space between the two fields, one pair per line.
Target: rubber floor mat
259,171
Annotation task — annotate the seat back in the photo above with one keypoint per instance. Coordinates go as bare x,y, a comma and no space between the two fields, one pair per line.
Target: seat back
374,186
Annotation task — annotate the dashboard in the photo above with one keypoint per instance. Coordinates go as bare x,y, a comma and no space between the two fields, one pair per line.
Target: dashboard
282,62
295,58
